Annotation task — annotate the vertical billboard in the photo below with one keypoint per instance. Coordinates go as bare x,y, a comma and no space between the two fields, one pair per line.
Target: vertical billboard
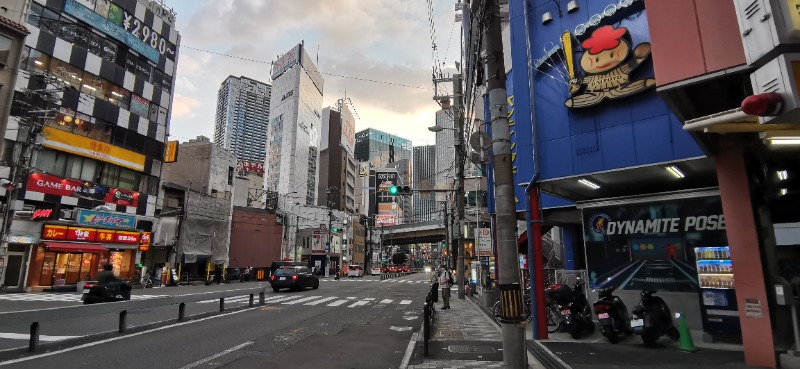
386,212
348,138
651,246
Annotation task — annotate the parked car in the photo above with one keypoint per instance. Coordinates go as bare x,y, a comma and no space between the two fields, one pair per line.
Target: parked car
355,271
294,278
375,271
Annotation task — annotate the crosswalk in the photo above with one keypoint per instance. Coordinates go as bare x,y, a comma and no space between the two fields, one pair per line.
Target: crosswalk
59,297
332,301
375,280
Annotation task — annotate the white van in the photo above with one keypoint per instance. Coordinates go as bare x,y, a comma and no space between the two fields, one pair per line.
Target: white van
355,271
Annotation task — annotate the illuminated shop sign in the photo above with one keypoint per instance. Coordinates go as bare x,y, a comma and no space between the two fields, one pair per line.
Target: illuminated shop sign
58,232
53,185
20,239
97,218
84,146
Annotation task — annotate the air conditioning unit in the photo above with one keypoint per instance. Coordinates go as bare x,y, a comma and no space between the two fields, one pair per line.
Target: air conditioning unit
22,215
768,27
67,214
780,76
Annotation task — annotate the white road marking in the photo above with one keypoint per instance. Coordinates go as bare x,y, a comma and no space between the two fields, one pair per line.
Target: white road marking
283,299
321,300
405,302
351,297
219,354
369,298
96,343
359,303
387,301
301,300
25,336
337,303
400,329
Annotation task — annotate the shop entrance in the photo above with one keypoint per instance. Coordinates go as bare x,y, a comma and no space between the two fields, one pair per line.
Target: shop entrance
61,269
14,270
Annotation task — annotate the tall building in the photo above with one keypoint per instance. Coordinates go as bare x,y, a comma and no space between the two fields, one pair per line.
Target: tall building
241,120
99,149
424,178
380,148
293,135
337,165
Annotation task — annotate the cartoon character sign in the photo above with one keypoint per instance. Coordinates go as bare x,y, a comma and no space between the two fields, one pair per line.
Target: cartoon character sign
607,65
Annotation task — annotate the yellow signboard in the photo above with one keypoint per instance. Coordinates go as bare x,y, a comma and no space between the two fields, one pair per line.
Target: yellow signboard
55,138
794,14
171,152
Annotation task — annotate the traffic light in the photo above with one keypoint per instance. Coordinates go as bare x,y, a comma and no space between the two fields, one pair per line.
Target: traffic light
399,190
334,230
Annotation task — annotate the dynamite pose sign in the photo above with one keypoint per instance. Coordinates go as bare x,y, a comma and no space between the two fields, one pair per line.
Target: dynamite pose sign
607,64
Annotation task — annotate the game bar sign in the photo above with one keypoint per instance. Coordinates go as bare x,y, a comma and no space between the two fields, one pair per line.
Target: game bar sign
68,233
53,185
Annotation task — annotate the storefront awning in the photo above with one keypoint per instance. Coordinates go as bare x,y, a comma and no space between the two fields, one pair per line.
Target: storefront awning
75,247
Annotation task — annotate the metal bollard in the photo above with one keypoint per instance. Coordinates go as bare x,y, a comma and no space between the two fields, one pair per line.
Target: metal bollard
34,340
181,311
221,304
261,298
426,327
251,300
123,320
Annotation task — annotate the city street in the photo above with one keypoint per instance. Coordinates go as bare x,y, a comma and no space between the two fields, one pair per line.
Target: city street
349,323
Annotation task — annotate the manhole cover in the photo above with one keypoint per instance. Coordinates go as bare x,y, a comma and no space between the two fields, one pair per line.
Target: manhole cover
451,334
469,349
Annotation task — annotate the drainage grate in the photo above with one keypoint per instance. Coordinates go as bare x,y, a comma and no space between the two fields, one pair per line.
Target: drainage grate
547,359
450,334
469,349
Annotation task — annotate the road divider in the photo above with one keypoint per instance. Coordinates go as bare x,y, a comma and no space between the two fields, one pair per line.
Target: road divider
33,318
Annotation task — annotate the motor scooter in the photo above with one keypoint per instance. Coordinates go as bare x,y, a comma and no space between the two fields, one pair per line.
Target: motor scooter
612,315
110,292
652,319
576,314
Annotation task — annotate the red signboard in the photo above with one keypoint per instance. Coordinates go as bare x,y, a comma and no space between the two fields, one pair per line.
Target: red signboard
144,247
39,214
105,235
145,239
81,234
126,237
54,232
53,185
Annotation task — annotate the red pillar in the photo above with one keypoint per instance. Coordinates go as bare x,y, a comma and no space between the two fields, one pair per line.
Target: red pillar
537,255
759,348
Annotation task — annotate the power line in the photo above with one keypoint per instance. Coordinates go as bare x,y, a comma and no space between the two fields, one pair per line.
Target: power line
323,73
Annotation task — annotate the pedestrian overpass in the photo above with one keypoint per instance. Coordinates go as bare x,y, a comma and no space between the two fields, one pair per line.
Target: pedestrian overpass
406,234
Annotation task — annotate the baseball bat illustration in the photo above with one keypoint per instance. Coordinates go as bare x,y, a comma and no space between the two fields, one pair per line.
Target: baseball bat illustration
566,43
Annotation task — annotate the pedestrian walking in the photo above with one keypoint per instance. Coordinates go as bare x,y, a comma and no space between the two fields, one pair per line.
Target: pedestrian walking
434,280
445,281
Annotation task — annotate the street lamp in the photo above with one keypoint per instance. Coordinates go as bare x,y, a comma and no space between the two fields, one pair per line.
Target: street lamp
437,129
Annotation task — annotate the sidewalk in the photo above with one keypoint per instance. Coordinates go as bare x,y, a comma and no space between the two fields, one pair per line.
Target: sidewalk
462,337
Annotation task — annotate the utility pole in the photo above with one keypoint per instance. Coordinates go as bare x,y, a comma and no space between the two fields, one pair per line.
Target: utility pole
514,352
458,117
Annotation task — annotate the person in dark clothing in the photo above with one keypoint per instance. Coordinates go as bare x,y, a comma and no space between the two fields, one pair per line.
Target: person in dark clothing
106,276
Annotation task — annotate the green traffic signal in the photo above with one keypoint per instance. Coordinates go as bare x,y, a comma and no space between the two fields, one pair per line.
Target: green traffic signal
393,190
335,229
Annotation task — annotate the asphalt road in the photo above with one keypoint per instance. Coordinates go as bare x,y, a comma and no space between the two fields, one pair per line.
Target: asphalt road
344,324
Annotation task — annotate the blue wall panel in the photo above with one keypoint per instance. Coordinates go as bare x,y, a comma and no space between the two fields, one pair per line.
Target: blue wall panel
683,145
653,140
612,114
558,161
618,147
586,154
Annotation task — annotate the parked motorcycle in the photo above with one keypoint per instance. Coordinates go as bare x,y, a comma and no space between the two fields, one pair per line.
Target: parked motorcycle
652,319
576,314
111,292
612,315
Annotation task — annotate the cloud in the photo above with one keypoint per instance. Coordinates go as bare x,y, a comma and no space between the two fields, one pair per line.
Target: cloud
383,40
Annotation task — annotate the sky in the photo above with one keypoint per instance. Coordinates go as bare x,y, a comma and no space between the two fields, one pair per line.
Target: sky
381,40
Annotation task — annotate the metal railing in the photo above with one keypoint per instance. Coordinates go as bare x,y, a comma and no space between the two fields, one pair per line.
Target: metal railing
427,323
35,317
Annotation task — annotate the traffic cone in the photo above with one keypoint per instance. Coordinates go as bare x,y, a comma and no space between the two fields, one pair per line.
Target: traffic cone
685,342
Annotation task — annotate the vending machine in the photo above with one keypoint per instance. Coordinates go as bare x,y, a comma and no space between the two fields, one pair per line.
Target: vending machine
718,307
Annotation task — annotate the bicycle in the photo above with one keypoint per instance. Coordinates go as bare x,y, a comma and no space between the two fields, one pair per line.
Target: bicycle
527,301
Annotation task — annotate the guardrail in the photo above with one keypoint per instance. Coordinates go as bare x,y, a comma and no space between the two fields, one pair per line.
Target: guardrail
427,323
34,317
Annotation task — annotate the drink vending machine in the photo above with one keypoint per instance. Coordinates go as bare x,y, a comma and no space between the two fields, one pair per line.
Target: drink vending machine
718,307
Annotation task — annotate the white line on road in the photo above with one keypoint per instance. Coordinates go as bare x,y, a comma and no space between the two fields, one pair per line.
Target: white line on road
95,343
321,300
359,303
352,298
337,303
386,301
219,354
405,302
25,336
283,299
301,300
369,298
